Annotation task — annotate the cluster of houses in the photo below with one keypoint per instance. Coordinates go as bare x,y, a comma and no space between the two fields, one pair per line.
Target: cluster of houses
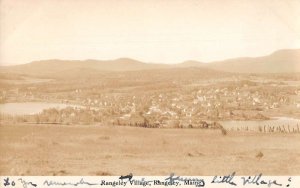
186,106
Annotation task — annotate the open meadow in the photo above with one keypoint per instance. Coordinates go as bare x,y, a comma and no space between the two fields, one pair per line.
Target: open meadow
116,150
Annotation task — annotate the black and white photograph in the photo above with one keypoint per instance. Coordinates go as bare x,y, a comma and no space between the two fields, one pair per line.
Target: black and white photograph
149,87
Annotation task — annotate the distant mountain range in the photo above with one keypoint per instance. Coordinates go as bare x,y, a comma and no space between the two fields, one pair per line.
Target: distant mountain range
282,61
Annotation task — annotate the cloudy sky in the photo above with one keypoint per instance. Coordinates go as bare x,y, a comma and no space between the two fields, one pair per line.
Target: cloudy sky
165,31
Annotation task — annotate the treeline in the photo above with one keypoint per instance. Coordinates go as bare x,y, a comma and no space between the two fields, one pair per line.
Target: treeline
72,116
68,115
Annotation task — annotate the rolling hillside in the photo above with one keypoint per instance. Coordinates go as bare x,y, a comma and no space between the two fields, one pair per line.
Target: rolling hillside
282,61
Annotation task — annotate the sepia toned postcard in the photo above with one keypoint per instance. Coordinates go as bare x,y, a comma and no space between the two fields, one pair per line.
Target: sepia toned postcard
150,88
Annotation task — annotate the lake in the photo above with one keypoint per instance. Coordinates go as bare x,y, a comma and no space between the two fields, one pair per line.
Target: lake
27,108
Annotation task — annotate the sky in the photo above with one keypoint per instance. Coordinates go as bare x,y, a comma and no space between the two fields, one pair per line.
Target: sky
155,31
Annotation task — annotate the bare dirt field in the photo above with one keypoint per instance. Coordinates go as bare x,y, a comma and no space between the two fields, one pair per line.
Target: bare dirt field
104,150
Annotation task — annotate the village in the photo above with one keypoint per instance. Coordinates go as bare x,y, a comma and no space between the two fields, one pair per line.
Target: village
188,103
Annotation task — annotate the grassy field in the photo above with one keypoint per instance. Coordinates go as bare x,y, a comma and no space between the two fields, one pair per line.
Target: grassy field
104,150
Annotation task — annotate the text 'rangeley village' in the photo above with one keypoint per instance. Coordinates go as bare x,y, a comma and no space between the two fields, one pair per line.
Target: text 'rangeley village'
138,183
